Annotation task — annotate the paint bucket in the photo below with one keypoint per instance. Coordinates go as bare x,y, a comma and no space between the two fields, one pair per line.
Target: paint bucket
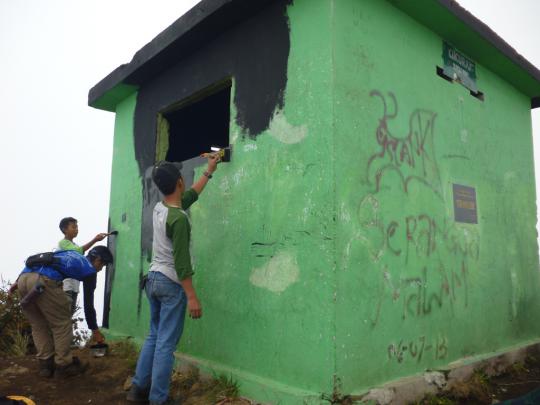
99,349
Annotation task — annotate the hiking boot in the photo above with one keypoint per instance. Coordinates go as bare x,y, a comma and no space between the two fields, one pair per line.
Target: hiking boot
75,368
137,394
46,367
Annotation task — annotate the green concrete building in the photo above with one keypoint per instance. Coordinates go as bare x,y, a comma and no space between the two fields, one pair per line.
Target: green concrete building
377,218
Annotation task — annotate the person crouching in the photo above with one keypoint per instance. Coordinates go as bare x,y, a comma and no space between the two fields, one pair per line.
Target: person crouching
49,310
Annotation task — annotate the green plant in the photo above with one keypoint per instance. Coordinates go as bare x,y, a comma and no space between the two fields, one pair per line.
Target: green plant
20,343
15,331
220,389
480,377
518,368
125,349
226,387
80,335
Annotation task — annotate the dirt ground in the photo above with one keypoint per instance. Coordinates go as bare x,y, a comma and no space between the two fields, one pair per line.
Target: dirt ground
102,383
106,381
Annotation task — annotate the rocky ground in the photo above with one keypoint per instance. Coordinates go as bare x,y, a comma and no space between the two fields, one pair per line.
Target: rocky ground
519,384
108,378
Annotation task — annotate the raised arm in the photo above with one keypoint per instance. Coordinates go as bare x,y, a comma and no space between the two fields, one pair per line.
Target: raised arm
212,166
97,238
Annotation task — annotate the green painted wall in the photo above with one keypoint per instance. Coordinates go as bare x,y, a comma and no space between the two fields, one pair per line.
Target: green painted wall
311,277
125,216
264,236
416,290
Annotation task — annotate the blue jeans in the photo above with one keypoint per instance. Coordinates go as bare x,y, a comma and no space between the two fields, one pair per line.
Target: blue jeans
167,313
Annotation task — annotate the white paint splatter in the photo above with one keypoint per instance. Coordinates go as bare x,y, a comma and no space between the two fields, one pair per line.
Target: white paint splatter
285,132
344,214
277,274
250,147
239,175
464,135
224,185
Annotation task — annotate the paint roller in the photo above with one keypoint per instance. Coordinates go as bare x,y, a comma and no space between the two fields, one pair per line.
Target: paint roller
224,154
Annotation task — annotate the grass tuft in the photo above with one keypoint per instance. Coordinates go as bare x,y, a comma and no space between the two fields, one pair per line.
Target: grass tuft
220,389
125,349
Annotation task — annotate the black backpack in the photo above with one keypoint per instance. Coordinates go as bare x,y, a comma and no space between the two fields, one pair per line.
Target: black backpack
42,259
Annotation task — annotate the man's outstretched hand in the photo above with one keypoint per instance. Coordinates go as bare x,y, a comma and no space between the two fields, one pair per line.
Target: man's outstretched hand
213,160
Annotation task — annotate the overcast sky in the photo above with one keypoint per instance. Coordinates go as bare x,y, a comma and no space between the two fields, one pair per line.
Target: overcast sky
56,151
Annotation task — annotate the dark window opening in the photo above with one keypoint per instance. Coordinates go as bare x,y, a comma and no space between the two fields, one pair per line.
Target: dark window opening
440,72
198,124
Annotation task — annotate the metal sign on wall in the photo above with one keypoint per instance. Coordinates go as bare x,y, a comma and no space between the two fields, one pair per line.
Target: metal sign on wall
465,204
458,67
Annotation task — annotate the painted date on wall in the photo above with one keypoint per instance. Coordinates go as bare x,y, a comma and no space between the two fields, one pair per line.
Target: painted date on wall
418,349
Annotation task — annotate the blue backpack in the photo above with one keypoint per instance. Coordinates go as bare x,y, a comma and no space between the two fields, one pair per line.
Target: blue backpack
68,263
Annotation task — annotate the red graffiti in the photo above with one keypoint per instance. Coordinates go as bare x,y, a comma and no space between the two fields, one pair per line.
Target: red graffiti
411,157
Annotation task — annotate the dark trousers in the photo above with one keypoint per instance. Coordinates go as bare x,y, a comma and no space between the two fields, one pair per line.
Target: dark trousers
73,298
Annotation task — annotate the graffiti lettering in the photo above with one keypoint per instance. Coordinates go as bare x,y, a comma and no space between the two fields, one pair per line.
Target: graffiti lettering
423,255
411,157
447,286
420,235
422,232
421,302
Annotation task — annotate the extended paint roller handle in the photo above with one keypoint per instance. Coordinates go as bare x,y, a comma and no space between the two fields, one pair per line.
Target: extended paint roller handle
223,154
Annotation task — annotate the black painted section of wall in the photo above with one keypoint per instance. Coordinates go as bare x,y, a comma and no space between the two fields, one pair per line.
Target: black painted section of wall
198,126
190,32
253,53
